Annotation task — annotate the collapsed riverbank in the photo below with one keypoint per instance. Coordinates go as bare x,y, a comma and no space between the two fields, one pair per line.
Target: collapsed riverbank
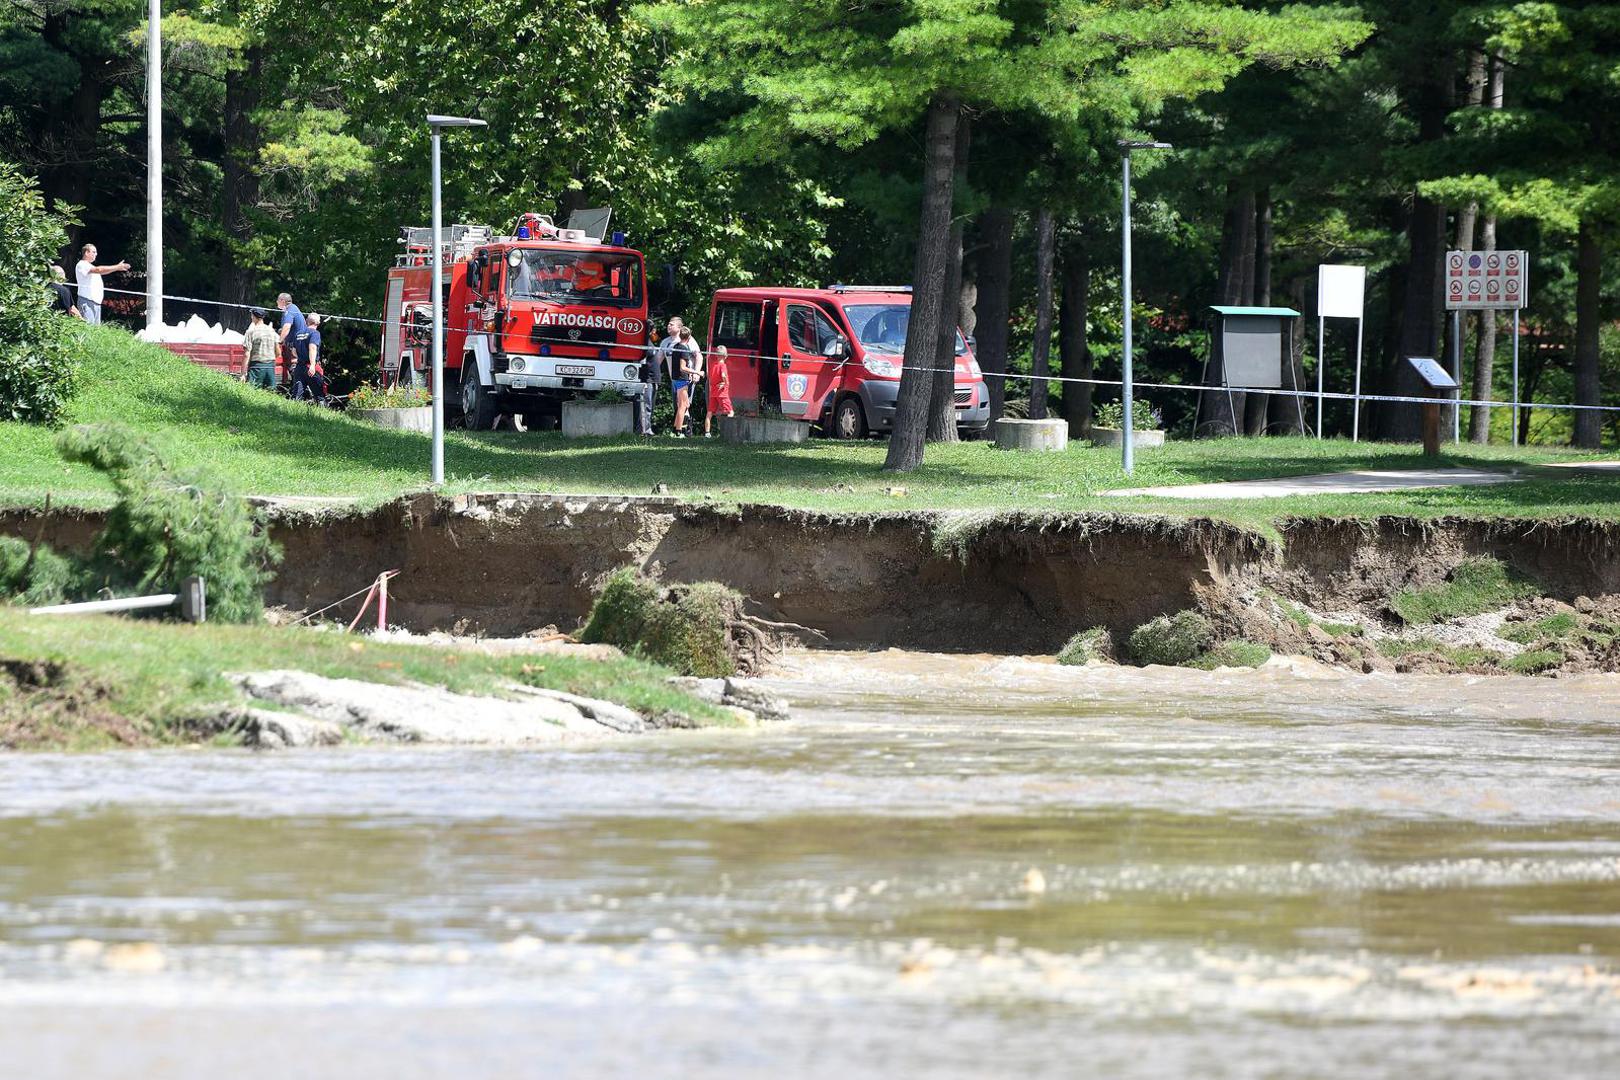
1010,583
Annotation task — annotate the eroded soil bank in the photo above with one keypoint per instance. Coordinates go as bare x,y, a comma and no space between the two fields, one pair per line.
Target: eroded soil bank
1009,583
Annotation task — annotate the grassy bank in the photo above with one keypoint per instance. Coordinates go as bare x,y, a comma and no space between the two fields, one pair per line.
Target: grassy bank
83,682
267,445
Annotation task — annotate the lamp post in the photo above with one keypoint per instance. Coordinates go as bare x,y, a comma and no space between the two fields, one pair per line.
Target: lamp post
154,163
437,124
1128,437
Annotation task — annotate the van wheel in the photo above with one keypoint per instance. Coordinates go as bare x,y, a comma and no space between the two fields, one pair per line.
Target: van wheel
478,409
849,419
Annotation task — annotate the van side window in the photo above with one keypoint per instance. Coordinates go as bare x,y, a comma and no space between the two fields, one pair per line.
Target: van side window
802,330
736,326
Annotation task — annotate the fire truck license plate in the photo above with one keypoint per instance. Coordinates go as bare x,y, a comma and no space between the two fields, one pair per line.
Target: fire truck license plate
575,369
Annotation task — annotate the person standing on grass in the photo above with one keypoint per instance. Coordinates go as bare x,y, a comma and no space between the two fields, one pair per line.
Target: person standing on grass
688,362
719,389
87,275
307,376
261,343
61,295
292,329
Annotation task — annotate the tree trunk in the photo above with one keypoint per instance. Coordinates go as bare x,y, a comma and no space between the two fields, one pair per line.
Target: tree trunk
1424,298
1479,417
1588,297
75,127
928,298
995,229
1287,415
239,187
1041,348
1259,405
1219,412
1074,353
942,388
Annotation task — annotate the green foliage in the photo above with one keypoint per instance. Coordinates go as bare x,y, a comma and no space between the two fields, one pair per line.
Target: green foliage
37,371
1535,661
1557,627
1235,652
1474,587
687,628
34,575
168,526
1145,415
1171,639
390,397
1086,646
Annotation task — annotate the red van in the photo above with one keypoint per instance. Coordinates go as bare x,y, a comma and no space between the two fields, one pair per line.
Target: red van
829,356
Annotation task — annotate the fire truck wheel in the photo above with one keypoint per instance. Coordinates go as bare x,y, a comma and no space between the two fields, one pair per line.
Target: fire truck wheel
478,410
849,419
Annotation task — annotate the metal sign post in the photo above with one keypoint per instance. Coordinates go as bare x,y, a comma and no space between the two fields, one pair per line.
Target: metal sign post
436,466
1340,294
1488,281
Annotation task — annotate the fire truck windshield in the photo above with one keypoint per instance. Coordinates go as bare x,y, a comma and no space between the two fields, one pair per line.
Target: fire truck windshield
571,277
882,327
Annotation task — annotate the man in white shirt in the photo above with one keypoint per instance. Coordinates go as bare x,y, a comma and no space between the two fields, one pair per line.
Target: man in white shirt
87,275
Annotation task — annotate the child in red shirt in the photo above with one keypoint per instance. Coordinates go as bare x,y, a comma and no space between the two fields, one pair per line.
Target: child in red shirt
719,389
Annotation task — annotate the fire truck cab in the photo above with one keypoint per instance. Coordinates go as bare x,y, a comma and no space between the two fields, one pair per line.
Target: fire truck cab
830,357
531,320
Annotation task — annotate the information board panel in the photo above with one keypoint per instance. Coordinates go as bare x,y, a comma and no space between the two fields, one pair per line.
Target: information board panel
1486,280
1340,291
1433,375
1251,350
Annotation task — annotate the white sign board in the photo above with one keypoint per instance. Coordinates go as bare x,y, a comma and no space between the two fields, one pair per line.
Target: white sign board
1482,280
1340,291
1437,377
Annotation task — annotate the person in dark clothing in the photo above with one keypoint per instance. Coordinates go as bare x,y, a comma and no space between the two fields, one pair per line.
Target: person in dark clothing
292,328
62,296
308,377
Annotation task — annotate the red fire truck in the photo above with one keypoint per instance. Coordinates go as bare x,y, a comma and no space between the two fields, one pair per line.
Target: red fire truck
531,319
830,357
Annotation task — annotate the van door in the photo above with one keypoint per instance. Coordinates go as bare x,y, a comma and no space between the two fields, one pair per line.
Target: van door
807,373
737,325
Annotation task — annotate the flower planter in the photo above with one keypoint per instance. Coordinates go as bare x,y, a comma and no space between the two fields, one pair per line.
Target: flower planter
1103,436
417,418
597,419
762,429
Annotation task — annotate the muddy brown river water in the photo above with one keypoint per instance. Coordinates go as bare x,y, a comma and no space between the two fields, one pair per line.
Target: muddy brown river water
943,867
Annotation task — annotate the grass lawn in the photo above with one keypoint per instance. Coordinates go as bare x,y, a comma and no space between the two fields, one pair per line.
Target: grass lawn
266,445
148,672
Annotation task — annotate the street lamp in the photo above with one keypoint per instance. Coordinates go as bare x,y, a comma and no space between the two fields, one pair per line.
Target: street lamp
1126,146
437,124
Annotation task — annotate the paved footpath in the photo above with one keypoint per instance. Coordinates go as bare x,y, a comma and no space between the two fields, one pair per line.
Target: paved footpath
1339,483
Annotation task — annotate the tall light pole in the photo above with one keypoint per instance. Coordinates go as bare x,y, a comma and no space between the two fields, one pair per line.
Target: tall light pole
437,124
154,163
1128,438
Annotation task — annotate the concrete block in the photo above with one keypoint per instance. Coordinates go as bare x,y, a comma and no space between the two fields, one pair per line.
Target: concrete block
415,419
762,429
1103,436
591,419
1032,434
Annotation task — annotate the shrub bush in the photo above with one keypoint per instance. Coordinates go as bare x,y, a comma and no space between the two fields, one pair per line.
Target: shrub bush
38,576
1144,415
168,526
37,366
1171,639
1234,653
1086,646
689,627
391,397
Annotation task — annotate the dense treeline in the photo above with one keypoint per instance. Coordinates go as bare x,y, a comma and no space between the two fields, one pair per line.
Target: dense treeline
966,145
